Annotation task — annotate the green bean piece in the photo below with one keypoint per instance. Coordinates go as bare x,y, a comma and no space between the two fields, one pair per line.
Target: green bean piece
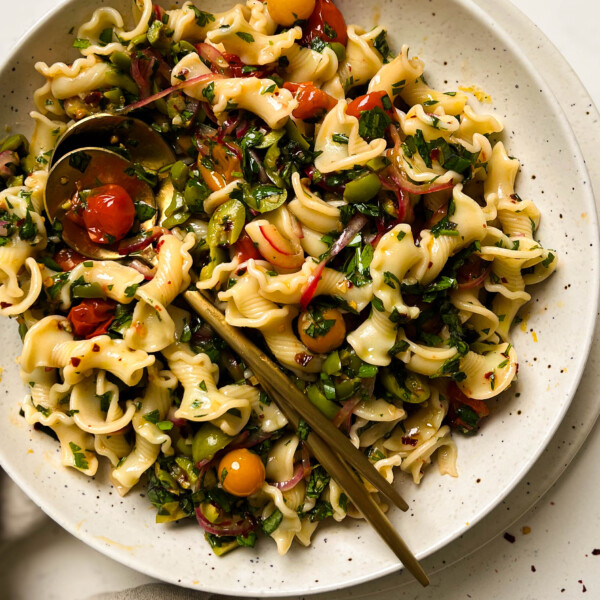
226,224
208,440
14,143
332,363
340,51
408,387
362,189
295,135
179,175
327,407
87,290
121,60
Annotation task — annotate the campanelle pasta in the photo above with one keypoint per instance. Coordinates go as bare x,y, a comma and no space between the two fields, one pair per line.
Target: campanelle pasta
363,227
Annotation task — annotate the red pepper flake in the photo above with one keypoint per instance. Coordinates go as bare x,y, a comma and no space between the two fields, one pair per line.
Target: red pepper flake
303,359
5,304
408,441
75,361
596,551
509,537
488,375
95,348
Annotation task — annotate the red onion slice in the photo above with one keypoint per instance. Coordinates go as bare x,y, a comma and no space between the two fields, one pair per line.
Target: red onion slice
141,241
345,411
144,269
181,86
467,285
242,527
284,486
9,161
356,223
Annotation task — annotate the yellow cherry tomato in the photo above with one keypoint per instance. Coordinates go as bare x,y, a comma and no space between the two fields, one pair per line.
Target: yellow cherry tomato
322,331
287,12
241,472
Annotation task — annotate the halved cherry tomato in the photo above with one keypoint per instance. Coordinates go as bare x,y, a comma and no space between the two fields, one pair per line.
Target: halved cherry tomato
368,102
457,399
245,249
92,317
327,23
109,213
312,102
67,259
224,164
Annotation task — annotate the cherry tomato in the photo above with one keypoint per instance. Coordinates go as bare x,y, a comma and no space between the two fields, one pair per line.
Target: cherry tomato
458,399
322,331
368,102
245,249
92,317
109,214
241,472
67,259
223,167
287,12
312,102
327,23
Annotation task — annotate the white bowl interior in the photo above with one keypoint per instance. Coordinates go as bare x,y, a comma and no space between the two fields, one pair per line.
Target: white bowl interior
459,44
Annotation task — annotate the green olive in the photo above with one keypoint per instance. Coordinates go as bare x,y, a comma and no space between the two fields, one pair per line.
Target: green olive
179,175
408,387
15,142
208,440
340,51
217,256
327,407
121,60
362,189
226,224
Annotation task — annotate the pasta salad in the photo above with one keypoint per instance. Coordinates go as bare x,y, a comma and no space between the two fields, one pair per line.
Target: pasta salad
360,225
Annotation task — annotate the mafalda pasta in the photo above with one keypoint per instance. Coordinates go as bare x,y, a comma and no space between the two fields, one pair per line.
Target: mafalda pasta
361,225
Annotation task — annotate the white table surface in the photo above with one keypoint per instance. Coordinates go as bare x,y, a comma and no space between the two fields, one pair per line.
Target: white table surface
553,560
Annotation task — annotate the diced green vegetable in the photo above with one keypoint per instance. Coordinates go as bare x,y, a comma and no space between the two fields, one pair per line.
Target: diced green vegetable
362,189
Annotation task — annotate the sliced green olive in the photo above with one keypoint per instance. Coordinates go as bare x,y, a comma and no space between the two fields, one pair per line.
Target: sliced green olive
115,96
15,142
378,163
121,60
226,224
195,194
327,407
332,363
179,175
345,388
408,387
339,49
158,35
295,135
264,197
177,212
362,189
217,256
87,290
208,440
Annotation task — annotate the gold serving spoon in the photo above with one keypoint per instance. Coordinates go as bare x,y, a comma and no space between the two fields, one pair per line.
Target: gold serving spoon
99,150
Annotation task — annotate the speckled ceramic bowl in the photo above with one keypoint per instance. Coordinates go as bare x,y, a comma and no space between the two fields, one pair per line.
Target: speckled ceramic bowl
460,45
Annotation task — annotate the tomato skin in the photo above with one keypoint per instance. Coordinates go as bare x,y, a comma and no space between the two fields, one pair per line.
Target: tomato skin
109,214
327,23
368,102
312,102
92,317
245,249
236,67
241,472
67,259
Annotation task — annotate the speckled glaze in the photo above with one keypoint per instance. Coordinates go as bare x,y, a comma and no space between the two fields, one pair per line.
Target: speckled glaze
561,315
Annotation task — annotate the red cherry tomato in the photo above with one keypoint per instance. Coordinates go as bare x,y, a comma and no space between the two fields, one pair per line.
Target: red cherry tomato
327,23
236,67
67,259
368,102
92,317
245,249
312,102
109,214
